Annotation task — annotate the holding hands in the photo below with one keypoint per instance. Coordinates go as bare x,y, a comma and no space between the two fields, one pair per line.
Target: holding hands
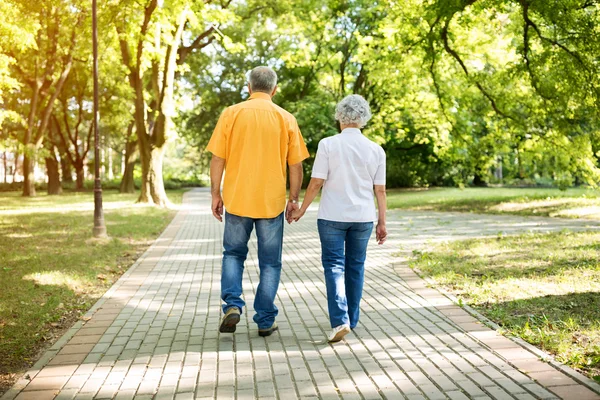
292,206
293,212
297,214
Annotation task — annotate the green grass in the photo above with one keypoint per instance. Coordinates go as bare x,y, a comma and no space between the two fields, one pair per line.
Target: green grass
572,203
51,271
544,288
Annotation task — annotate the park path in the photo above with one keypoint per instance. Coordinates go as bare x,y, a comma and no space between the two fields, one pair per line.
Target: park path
154,334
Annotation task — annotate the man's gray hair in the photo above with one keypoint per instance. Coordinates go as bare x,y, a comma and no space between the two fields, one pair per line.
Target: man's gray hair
263,79
353,109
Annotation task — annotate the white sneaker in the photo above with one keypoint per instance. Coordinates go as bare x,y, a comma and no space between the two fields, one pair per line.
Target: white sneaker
338,333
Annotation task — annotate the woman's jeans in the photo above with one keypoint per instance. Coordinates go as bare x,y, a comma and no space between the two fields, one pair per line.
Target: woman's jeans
344,270
269,233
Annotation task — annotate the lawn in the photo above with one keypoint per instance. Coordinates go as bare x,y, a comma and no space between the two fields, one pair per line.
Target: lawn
571,203
544,288
51,271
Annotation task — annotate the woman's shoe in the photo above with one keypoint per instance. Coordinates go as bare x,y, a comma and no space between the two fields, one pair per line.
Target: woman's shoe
338,333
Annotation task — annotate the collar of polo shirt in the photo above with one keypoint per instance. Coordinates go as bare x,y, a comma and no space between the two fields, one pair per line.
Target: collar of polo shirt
351,130
260,95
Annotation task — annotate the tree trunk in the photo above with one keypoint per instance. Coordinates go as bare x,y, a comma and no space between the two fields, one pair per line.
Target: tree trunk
111,175
520,165
65,167
28,177
80,176
65,164
5,168
127,183
16,166
52,169
153,189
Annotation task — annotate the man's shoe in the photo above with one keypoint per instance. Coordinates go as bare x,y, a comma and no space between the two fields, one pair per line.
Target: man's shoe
268,331
338,333
230,320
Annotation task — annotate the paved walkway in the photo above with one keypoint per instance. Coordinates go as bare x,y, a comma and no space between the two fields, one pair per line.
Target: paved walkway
154,334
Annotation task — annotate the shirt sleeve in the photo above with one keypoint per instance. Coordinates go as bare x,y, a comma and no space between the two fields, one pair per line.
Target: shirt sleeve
218,141
297,150
380,173
321,166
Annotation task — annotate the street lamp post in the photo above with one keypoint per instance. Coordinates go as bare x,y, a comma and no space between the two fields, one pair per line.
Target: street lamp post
99,226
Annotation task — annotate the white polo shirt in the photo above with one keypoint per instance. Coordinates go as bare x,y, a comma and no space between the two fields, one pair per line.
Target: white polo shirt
351,164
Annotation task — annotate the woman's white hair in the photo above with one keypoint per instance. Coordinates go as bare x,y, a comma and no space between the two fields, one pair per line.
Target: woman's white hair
353,109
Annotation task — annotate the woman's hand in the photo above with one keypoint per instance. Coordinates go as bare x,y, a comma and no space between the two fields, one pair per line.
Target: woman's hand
297,214
217,207
381,233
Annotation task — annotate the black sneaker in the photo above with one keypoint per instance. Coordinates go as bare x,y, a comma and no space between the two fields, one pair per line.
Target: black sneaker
230,320
268,331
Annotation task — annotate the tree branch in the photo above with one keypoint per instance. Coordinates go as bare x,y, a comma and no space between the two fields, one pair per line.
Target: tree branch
66,122
197,44
89,139
456,56
62,139
125,50
148,11
529,22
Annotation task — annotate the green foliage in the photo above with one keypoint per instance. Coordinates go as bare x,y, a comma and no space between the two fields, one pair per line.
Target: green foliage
459,90
462,92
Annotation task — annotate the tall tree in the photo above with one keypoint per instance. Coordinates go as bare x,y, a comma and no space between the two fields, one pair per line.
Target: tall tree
72,122
43,68
155,48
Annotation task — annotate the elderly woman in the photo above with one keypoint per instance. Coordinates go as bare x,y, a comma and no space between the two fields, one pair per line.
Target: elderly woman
348,166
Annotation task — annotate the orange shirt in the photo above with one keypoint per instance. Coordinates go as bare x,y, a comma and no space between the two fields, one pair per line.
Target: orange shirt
257,139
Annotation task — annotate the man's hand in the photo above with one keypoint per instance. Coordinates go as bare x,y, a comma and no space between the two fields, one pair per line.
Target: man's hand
297,214
291,207
217,207
381,233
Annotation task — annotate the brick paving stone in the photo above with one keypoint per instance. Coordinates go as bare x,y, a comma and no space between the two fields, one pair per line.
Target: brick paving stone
48,383
539,391
552,378
107,392
37,395
156,332
575,392
67,394
58,370
165,393
524,396
457,395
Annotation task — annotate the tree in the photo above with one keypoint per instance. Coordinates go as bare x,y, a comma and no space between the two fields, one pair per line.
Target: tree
43,68
72,121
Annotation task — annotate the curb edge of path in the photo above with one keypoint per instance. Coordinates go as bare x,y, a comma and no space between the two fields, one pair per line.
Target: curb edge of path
540,354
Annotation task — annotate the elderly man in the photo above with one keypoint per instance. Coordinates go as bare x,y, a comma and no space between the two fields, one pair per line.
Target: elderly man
253,142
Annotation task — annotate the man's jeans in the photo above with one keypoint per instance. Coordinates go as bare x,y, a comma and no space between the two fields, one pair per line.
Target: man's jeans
235,241
344,273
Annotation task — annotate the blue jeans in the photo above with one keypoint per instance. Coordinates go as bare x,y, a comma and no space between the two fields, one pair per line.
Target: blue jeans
235,241
344,270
